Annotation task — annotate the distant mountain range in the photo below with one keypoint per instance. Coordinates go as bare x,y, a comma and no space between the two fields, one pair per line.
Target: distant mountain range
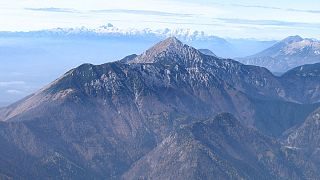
222,47
111,31
286,54
172,112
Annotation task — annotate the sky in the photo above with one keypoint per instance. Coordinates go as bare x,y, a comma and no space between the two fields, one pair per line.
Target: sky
260,19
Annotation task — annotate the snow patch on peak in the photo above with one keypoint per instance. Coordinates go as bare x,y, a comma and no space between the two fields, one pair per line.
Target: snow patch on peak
297,47
111,30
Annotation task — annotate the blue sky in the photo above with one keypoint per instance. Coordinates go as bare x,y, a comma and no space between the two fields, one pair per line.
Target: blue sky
263,19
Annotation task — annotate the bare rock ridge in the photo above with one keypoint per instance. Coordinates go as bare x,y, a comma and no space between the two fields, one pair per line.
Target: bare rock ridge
169,44
145,115
169,47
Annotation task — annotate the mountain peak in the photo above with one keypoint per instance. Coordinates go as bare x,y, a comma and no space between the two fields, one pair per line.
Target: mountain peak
168,47
292,39
171,43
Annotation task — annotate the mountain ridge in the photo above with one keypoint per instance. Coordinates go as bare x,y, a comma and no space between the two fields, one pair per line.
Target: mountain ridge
197,150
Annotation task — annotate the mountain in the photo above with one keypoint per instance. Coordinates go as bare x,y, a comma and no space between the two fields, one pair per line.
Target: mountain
306,136
221,148
65,48
96,121
303,82
305,139
286,54
207,52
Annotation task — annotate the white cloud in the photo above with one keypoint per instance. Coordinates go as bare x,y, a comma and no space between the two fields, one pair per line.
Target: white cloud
11,83
14,91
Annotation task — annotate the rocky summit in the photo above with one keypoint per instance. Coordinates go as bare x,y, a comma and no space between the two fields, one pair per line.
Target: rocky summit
172,112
